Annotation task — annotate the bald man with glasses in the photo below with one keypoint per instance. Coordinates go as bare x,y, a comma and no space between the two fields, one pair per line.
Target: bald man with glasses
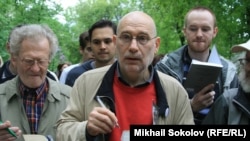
106,101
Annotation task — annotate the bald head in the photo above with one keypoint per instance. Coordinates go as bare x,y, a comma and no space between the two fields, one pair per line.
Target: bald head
137,18
136,44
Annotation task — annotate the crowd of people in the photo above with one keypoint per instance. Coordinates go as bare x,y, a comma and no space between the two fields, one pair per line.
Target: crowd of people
121,80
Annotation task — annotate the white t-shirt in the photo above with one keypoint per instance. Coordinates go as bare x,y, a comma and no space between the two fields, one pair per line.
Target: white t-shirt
66,71
54,75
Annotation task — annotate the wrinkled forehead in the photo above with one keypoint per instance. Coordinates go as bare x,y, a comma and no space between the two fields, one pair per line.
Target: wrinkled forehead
136,21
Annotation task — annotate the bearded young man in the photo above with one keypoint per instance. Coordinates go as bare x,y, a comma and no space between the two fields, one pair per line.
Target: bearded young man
233,107
200,29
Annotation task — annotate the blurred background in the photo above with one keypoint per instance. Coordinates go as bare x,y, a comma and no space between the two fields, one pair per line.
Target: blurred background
69,18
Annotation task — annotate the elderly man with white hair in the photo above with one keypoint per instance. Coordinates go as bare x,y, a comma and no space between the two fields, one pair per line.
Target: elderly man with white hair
233,107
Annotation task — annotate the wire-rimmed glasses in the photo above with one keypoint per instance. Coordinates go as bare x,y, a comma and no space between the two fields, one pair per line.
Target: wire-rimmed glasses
40,62
140,39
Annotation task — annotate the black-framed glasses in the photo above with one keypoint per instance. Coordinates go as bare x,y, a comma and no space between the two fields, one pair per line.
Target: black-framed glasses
140,39
244,61
40,62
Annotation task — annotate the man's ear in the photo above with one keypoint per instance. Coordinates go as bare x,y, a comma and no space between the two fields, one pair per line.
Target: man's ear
215,31
157,44
114,39
184,31
13,59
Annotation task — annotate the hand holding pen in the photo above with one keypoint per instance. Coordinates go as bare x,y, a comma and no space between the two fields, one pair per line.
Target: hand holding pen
7,132
101,120
102,104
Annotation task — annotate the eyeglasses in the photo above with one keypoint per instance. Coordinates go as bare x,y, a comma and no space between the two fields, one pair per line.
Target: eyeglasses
30,62
141,39
244,61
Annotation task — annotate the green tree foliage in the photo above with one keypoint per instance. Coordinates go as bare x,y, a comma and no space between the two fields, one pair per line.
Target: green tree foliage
233,20
87,12
83,15
33,11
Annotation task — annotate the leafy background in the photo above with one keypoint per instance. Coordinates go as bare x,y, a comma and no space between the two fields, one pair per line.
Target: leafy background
233,18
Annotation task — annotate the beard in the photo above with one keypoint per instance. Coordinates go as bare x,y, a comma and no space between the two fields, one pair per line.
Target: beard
244,80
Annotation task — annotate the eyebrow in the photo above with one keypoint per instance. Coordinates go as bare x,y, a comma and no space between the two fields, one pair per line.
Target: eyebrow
102,39
140,33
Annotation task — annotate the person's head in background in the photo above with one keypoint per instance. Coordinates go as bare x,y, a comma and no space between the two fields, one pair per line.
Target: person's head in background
61,67
200,29
32,47
244,64
101,36
85,48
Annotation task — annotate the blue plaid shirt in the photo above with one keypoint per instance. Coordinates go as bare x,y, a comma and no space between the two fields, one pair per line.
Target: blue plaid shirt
33,102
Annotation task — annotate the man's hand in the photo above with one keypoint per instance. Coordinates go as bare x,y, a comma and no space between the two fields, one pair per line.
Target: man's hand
203,98
101,121
5,135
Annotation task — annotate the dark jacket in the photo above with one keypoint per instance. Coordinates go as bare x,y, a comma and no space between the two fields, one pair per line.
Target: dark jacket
232,108
173,64
77,71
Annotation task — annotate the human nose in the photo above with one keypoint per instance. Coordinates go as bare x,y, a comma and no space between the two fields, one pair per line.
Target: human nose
35,66
91,54
103,45
199,32
133,44
136,41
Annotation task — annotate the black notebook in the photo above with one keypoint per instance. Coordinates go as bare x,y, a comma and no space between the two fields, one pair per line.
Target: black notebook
201,74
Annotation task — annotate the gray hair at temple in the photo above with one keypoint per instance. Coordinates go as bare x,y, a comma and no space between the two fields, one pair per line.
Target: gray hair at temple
34,32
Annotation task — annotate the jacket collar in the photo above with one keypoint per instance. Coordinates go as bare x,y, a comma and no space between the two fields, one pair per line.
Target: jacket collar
106,91
12,89
242,101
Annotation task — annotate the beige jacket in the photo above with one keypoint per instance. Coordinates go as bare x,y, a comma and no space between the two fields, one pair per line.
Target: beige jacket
72,123
11,106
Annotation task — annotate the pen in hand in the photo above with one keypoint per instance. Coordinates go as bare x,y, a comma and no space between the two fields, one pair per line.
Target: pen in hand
102,104
9,130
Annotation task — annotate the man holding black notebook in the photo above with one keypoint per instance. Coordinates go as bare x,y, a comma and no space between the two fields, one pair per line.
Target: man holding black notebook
199,29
